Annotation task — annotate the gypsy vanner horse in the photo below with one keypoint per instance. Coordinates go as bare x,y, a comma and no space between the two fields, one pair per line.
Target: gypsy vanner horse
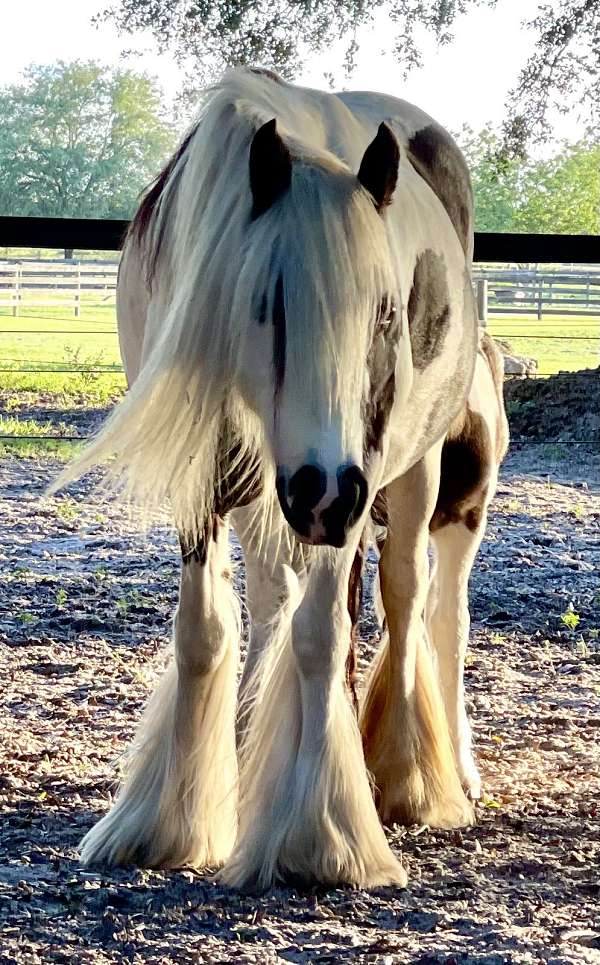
297,325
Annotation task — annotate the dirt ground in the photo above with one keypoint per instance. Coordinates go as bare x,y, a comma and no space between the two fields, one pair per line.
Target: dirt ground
85,605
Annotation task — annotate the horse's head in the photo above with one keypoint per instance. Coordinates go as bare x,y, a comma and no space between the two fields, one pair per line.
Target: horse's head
318,364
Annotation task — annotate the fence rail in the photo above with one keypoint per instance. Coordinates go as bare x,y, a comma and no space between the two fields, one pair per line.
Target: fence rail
42,282
95,234
525,292
499,291
511,291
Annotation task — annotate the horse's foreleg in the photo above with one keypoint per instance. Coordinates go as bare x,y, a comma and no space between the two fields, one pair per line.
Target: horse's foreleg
456,546
179,801
306,807
405,732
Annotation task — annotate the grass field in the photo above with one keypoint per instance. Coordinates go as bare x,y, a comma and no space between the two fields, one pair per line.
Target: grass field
558,343
50,339
48,350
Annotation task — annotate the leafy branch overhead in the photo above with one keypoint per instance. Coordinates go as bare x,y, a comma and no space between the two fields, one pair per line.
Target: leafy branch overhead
562,71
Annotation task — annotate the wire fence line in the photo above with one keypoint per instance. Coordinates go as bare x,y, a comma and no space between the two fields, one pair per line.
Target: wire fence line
16,365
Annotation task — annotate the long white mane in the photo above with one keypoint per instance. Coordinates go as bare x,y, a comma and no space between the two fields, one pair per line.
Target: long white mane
209,267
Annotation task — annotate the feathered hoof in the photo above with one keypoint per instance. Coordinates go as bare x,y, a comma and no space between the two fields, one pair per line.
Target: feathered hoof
238,874
111,843
445,814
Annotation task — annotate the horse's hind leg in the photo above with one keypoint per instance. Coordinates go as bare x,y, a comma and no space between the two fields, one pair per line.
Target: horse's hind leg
456,546
406,739
178,804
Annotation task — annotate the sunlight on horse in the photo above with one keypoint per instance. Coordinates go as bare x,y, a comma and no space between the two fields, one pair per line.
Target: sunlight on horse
297,325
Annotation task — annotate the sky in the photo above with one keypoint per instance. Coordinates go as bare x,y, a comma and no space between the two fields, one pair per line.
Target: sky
464,83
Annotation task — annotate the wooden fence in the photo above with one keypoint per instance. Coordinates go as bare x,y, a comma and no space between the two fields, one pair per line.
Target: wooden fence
526,291
508,291
49,283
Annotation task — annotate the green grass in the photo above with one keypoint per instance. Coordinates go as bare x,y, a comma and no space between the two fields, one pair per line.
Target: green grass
50,339
537,340
38,451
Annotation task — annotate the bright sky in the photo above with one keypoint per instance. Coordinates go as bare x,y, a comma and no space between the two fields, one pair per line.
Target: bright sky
466,82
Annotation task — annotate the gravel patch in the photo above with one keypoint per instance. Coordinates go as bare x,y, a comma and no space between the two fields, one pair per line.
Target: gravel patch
86,599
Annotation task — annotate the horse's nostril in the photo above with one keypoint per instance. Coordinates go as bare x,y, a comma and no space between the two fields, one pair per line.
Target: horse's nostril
346,509
307,486
299,497
353,489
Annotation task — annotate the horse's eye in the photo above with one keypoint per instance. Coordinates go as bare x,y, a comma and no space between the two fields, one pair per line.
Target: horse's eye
387,314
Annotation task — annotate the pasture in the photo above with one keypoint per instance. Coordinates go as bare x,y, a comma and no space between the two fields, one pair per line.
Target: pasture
86,600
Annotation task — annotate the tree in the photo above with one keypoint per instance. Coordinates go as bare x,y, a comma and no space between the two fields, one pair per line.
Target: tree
559,194
495,183
562,71
79,140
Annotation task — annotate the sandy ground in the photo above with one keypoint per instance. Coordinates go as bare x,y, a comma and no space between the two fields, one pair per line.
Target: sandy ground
85,604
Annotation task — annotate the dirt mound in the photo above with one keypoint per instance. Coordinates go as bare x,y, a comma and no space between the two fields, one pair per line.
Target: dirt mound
562,408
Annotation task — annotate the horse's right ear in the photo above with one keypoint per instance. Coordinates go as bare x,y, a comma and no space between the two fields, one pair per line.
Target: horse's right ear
270,168
378,171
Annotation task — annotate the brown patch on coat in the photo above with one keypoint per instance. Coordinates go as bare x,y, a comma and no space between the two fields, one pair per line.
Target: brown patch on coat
265,72
435,156
238,482
381,366
469,453
238,475
467,457
428,308
194,546
355,588
379,509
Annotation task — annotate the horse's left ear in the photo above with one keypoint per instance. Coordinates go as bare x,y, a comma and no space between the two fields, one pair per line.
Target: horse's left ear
378,171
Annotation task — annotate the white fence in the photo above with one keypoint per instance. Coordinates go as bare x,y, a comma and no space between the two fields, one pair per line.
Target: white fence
49,283
508,291
525,291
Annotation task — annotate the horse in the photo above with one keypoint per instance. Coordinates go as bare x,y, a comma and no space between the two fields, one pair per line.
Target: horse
297,326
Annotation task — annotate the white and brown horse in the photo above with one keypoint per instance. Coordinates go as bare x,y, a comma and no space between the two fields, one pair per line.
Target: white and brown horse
297,325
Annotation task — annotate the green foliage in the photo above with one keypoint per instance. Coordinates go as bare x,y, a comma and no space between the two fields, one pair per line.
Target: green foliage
559,194
561,71
80,140
61,597
570,619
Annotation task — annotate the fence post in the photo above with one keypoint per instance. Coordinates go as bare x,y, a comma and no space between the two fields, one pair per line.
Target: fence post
540,298
78,293
17,291
482,301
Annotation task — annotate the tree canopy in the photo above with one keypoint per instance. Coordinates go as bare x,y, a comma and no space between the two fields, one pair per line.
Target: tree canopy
79,140
558,194
562,72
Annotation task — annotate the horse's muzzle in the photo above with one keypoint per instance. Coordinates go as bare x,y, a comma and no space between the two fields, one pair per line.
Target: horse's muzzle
321,509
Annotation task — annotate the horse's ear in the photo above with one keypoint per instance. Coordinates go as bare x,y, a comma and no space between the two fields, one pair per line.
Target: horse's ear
270,168
378,171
